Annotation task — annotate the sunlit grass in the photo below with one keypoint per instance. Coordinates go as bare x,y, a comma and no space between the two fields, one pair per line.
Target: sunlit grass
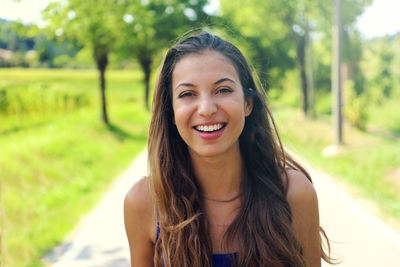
386,116
54,167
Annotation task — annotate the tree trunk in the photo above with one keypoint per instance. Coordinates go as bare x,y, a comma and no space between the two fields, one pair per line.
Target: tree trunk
310,72
145,63
337,75
102,61
300,42
300,51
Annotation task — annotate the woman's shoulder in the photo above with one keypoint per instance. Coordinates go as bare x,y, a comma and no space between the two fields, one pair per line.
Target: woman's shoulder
298,186
138,199
138,205
303,202
301,195
139,193
139,223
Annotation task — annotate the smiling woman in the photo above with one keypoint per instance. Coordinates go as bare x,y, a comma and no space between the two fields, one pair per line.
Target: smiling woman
221,190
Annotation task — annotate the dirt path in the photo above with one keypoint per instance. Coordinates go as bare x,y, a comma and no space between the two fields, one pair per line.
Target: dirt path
358,238
99,239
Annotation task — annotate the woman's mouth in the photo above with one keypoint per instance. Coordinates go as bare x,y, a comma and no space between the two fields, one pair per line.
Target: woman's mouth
209,128
211,131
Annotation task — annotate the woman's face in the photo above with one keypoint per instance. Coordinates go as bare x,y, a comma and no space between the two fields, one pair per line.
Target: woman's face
208,103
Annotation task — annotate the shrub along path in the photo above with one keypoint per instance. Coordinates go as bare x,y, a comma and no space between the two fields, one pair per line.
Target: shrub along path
357,237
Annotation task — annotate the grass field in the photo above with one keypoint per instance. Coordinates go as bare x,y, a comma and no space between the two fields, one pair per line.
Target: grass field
56,163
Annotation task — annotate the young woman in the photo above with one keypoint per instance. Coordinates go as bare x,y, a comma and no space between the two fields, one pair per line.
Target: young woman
221,190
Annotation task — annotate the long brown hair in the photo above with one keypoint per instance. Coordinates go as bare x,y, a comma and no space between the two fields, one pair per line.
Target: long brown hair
263,225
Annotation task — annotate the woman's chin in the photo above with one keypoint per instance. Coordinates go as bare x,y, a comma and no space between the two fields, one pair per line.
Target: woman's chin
212,151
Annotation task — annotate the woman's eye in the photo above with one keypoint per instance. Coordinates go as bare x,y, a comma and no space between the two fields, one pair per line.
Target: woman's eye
224,90
185,94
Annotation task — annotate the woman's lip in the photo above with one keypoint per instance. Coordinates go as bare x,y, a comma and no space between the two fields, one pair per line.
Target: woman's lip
210,135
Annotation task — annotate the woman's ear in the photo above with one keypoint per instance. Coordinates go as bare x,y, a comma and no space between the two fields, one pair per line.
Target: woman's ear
248,105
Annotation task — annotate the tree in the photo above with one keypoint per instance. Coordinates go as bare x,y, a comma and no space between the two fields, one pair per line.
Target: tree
275,29
280,28
148,27
91,23
262,34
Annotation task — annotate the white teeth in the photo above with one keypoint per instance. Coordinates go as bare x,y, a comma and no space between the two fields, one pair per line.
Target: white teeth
209,128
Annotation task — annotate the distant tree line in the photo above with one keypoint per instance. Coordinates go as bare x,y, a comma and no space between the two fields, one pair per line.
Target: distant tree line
27,46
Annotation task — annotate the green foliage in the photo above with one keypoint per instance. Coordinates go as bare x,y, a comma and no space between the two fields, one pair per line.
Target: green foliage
39,99
352,45
323,103
31,47
355,110
58,164
263,34
322,56
11,39
288,94
83,59
384,116
275,32
21,94
384,77
146,28
381,61
91,23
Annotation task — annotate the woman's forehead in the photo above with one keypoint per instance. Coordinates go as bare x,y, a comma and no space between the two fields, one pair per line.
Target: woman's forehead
198,67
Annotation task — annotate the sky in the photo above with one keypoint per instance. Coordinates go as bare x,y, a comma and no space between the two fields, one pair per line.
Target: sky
381,18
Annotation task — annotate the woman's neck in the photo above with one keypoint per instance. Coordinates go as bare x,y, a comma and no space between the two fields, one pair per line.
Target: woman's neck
220,176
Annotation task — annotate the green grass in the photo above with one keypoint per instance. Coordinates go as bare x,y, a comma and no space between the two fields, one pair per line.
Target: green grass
366,163
54,166
386,115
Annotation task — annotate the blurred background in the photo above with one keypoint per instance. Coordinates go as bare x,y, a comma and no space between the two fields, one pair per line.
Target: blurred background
76,79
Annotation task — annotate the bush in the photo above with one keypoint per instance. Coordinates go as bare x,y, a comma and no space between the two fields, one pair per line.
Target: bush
39,99
355,107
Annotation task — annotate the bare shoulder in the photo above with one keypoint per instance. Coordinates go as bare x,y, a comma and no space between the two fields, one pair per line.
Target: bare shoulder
139,223
138,205
302,199
138,197
303,202
300,188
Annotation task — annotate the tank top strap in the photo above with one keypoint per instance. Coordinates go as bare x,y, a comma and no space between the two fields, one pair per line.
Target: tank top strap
158,228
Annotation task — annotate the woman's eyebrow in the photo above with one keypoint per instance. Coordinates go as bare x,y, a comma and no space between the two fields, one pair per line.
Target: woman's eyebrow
224,80
185,84
217,82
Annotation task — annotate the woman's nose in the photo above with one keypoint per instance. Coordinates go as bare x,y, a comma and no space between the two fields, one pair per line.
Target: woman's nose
207,106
